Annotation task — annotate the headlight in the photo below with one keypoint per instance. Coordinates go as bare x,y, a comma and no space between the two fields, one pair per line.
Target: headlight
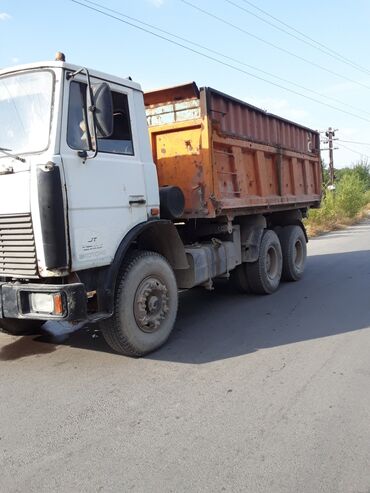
48,303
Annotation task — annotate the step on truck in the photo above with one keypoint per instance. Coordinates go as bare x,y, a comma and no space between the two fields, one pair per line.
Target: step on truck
112,200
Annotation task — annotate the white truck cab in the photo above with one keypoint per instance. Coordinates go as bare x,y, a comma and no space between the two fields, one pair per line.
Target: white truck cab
65,203
42,121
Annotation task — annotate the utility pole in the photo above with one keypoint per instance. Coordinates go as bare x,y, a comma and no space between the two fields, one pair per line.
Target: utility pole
330,134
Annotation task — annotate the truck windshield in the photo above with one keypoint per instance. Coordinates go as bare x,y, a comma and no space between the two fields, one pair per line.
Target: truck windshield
25,111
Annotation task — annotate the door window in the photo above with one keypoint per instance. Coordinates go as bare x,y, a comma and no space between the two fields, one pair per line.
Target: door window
120,142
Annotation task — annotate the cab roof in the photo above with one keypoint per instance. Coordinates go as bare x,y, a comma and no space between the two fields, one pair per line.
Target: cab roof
71,67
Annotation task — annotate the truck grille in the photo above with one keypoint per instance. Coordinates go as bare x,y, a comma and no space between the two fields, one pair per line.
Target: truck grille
17,246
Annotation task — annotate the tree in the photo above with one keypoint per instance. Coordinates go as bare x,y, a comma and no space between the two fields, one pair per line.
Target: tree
362,170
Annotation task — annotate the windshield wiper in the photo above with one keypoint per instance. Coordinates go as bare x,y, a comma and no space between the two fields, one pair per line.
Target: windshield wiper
4,150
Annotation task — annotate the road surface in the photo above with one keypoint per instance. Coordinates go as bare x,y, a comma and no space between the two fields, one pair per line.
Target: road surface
252,394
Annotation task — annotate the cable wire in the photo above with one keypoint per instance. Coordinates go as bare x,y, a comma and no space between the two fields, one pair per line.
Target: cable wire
217,60
320,46
355,142
210,50
273,45
356,152
299,32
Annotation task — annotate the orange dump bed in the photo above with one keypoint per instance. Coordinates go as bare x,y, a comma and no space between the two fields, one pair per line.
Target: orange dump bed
229,157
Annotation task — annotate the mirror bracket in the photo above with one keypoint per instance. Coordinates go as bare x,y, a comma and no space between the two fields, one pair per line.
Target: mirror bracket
82,154
90,138
91,130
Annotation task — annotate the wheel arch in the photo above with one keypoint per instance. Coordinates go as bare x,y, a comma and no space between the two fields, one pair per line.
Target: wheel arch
289,218
251,232
160,236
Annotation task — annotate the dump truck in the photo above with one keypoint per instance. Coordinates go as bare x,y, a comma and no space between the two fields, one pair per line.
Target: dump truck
113,201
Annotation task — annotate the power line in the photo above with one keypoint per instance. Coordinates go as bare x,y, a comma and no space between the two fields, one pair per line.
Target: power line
217,60
277,47
356,152
210,50
355,142
327,52
354,64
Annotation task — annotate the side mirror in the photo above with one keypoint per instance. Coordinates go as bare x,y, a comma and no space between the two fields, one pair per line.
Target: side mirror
103,108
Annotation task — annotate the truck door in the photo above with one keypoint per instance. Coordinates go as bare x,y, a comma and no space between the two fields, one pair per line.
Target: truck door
106,195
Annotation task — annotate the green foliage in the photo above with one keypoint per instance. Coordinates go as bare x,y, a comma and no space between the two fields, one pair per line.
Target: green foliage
350,195
362,170
343,204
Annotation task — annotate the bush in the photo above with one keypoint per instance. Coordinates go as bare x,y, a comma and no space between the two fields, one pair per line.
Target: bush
350,195
345,203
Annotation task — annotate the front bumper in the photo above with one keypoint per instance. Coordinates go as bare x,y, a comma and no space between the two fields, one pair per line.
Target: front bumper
15,301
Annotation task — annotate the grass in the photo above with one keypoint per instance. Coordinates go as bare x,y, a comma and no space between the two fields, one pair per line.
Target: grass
347,205
315,229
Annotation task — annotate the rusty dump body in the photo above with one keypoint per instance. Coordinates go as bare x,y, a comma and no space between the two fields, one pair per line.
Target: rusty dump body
231,158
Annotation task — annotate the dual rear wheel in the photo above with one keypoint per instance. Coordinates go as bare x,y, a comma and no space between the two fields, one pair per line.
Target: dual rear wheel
282,257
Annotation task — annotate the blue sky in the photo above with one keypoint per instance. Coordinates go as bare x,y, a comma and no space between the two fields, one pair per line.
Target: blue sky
31,31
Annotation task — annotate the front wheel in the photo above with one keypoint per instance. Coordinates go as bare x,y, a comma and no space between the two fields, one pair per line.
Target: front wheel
18,327
145,308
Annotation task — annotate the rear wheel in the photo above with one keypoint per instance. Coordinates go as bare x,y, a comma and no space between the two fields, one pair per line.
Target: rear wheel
18,327
294,248
264,275
145,305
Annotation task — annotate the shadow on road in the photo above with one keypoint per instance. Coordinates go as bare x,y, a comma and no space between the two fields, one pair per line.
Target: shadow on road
23,347
333,298
51,337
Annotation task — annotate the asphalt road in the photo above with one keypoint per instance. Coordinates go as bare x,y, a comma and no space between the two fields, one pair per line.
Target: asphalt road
255,394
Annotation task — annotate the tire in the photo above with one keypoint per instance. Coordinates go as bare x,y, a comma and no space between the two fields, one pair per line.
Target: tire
18,327
294,248
145,307
264,275
239,278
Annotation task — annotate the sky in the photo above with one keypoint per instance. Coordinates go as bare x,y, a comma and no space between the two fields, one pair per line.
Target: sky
34,31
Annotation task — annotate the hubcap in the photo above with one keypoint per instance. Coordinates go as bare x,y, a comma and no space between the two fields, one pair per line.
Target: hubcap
151,304
271,263
298,255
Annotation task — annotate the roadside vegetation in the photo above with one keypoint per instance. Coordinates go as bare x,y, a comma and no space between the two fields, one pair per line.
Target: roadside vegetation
345,205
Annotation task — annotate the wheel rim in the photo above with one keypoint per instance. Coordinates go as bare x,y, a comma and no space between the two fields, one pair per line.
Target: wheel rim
151,304
298,255
272,264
